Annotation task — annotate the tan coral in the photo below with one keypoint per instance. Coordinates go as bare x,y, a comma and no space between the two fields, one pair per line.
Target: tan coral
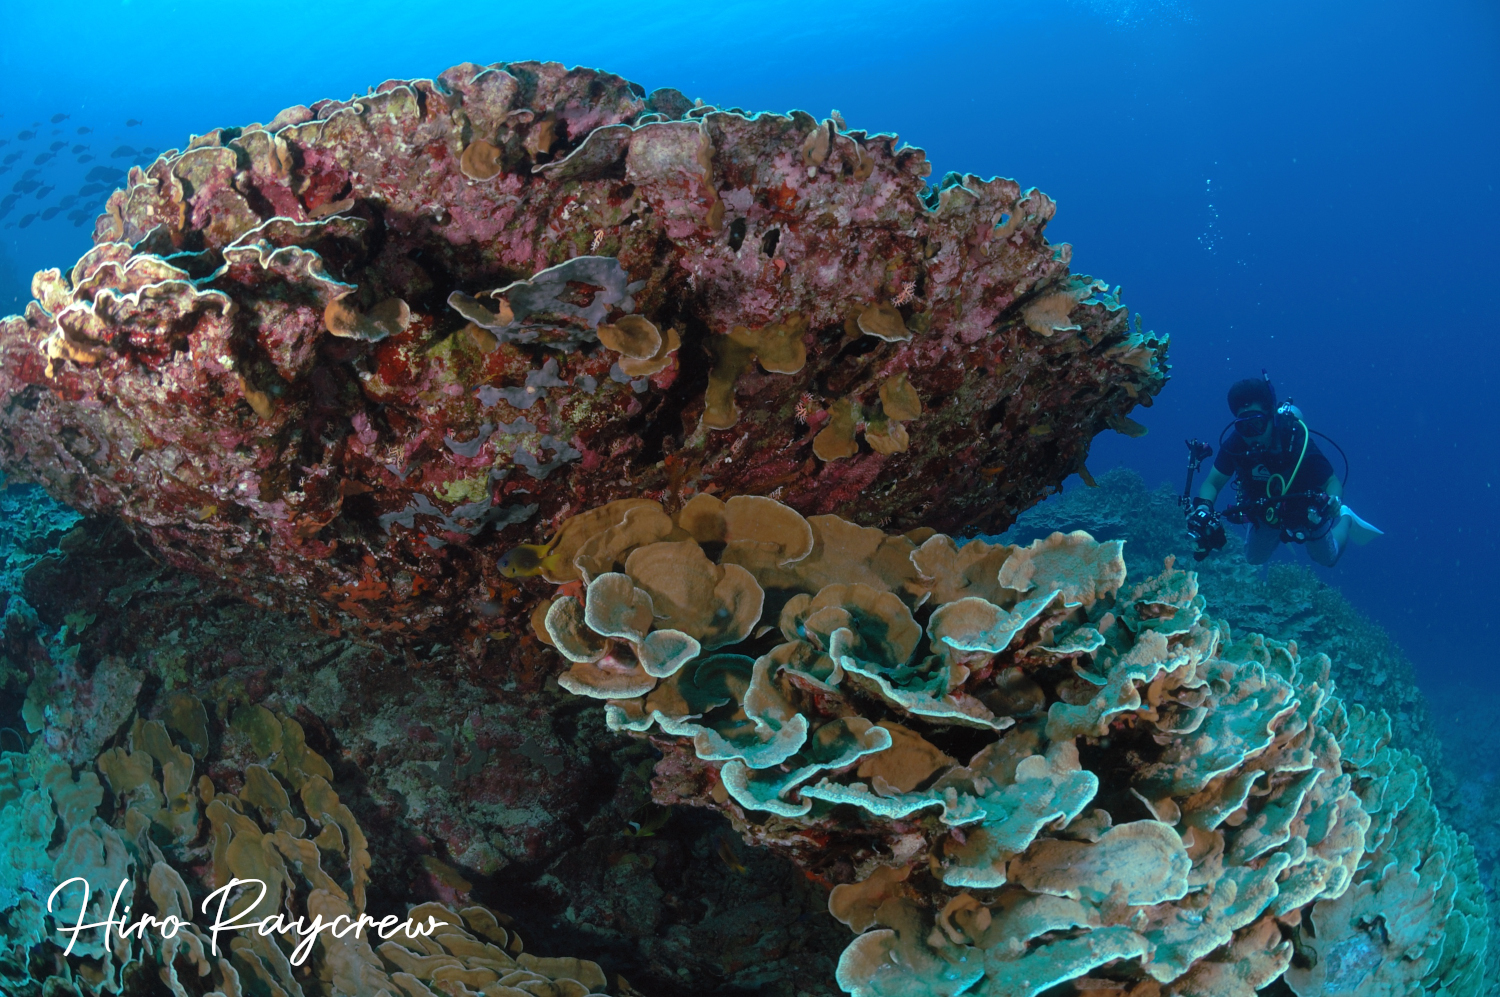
483,339
657,363
842,552
389,318
835,441
702,518
775,529
481,160
482,315
259,401
1144,862
731,359
1049,314
898,399
910,761
633,337
1082,569
578,530
780,349
714,604
855,904
640,525
889,439
954,572
884,322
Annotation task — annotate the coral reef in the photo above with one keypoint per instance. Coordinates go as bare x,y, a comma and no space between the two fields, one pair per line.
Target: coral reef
1467,718
174,841
1148,805
444,763
1284,600
345,359
1455,731
472,786
349,362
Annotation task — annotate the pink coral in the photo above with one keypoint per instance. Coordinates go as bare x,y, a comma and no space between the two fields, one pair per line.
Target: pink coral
361,342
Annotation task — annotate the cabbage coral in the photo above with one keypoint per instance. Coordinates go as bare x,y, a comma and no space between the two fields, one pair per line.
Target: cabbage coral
1148,804
176,834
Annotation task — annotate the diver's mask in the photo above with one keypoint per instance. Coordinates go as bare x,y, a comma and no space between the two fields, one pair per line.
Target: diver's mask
1253,424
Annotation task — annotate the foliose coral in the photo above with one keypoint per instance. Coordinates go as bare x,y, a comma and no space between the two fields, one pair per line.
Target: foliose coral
1148,805
344,358
175,834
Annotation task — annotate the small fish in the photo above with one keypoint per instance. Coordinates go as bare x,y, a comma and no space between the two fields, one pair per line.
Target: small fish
529,560
85,159
647,821
25,185
990,472
42,194
84,131
132,122
29,174
727,854
26,136
147,151
27,220
82,220
4,170
91,188
68,201
80,147
13,157
121,151
45,157
60,117
51,212
55,146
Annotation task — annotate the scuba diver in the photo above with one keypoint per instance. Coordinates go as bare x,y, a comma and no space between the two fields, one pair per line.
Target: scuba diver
1286,489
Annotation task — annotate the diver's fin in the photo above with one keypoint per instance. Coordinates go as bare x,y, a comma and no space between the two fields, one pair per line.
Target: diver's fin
1360,532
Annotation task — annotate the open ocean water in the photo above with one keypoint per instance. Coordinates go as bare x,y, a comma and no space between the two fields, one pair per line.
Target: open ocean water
1305,187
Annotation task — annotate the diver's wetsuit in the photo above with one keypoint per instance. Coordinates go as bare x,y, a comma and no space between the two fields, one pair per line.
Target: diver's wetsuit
1253,469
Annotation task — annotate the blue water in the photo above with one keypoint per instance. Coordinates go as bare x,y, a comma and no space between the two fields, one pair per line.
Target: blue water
1302,186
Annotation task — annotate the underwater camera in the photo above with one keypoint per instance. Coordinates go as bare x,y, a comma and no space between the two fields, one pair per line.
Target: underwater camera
1204,527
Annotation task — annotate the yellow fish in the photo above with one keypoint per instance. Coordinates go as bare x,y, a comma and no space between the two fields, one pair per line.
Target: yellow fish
652,818
529,560
728,857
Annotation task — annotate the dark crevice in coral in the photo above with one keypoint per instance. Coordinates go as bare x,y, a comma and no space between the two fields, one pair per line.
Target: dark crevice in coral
737,233
769,240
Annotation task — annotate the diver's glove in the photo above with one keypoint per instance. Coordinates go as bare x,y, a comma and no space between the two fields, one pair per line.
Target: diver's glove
1321,507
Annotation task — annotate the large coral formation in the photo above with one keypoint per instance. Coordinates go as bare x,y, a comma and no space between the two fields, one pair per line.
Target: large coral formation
495,773
346,358
533,785
173,839
1149,805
